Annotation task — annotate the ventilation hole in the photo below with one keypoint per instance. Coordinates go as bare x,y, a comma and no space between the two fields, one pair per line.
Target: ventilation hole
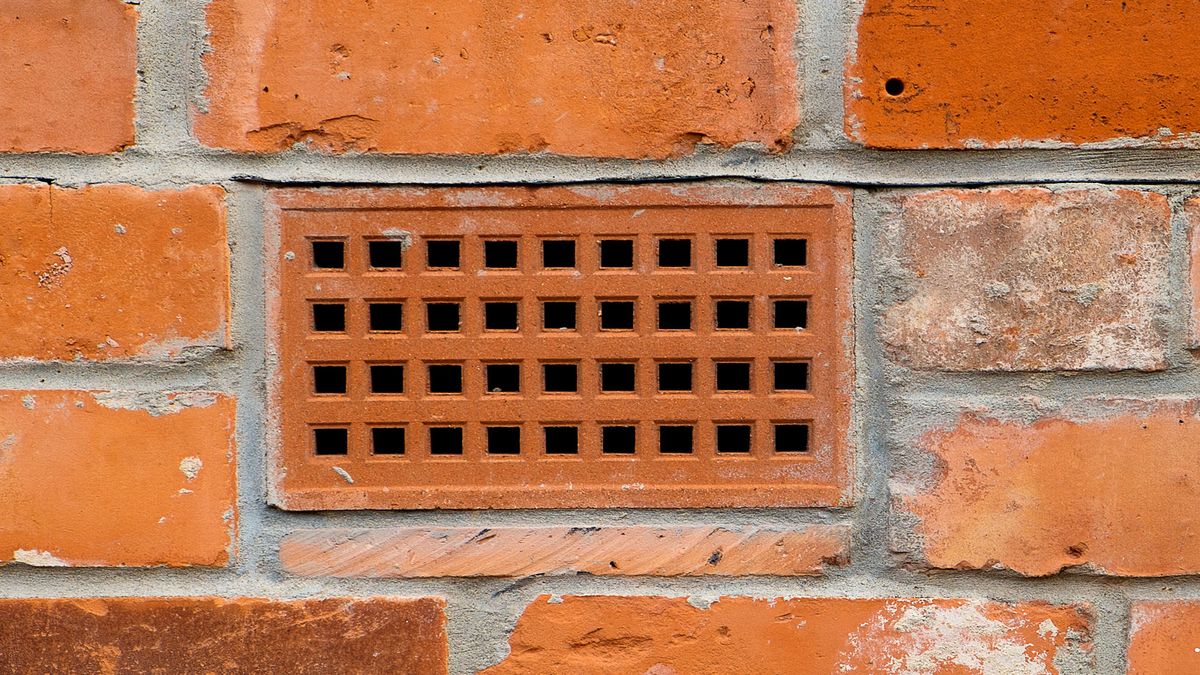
500,315
558,253
385,254
445,440
329,379
386,316
733,253
791,252
674,253
894,86
387,379
387,441
445,379
329,255
733,315
618,440
674,377
616,315
442,253
560,377
500,254
790,375
617,377
733,376
733,438
791,438
329,318
675,315
675,439
558,315
331,441
443,316
791,314
616,253
562,440
504,440
503,378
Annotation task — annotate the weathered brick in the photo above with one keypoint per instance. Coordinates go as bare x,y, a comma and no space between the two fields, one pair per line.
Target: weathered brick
218,635
1113,492
1164,637
1191,210
1026,279
68,70
112,272
525,551
988,73
497,76
599,634
116,479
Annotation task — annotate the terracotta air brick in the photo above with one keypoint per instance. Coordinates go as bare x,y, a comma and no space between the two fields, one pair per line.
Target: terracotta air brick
112,272
1112,492
1026,279
661,636
498,76
67,75
116,479
1164,638
526,551
989,73
218,635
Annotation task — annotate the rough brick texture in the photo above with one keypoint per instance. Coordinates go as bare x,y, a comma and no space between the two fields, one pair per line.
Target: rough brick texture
497,76
639,635
112,272
112,478
525,551
67,75
988,73
216,635
1164,638
1027,279
1192,212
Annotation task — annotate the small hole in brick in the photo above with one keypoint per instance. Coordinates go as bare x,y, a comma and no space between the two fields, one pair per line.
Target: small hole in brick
445,379
562,440
674,377
503,378
385,254
387,379
616,315
791,252
329,379
558,253
500,254
733,376
790,375
500,315
675,439
791,438
386,316
504,440
733,315
442,253
617,377
733,252
674,253
443,316
894,86
560,377
733,438
675,315
331,441
445,440
558,315
387,440
618,440
791,314
329,318
329,255
616,253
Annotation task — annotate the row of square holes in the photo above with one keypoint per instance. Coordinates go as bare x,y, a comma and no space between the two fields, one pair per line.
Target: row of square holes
561,315
502,254
562,378
732,438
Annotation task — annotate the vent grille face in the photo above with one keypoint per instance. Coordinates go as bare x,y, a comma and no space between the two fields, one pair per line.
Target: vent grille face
667,346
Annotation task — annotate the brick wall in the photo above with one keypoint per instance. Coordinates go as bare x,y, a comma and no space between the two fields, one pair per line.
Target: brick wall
1017,428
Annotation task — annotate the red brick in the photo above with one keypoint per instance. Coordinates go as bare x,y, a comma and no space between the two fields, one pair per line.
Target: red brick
497,76
217,635
68,70
1164,638
525,551
1027,279
116,479
112,272
1115,492
989,73
662,636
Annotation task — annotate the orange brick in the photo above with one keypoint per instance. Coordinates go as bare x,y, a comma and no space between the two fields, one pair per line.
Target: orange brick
116,479
1027,279
68,70
1114,493
1164,637
525,551
988,73
661,636
216,635
112,272
496,76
